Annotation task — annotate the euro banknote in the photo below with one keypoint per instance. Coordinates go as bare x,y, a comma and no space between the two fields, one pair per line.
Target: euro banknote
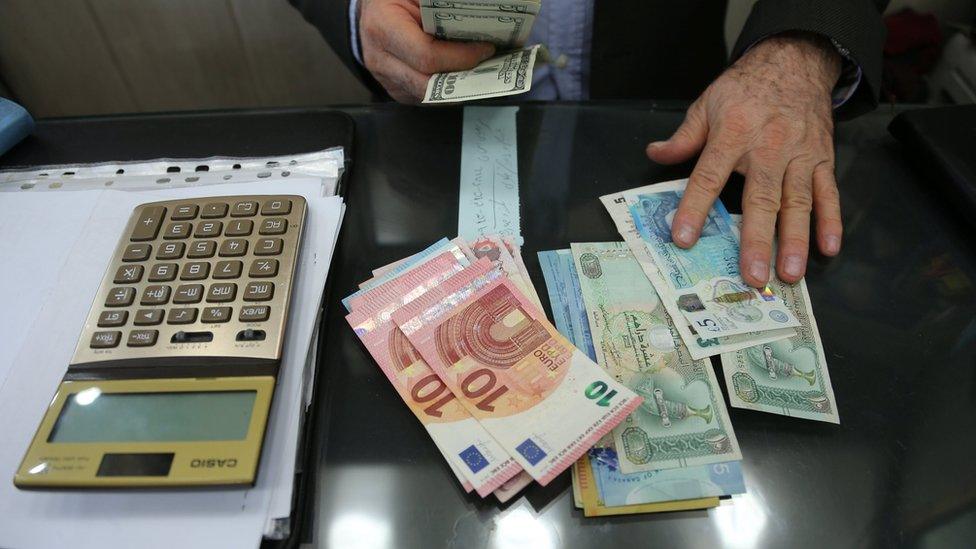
455,432
539,396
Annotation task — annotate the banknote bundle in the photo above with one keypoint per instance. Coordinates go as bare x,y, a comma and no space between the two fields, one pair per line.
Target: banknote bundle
459,332
771,353
504,23
651,314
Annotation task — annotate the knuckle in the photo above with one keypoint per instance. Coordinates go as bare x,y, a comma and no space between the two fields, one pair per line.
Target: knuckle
763,201
707,180
794,243
800,202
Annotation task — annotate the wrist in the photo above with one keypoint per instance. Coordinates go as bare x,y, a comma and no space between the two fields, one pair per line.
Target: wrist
802,53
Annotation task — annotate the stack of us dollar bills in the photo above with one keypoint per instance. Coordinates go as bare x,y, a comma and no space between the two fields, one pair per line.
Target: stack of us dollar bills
651,314
459,331
504,23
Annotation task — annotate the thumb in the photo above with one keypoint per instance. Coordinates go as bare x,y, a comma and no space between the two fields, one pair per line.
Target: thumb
686,142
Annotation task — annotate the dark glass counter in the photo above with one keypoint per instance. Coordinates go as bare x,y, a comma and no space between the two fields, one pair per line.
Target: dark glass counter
896,310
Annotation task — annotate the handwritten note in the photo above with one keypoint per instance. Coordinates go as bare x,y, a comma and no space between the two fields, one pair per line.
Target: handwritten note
489,199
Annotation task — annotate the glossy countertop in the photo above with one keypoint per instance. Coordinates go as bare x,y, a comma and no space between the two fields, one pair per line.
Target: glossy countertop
896,310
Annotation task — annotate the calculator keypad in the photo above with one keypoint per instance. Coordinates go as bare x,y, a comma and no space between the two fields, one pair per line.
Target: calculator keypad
216,267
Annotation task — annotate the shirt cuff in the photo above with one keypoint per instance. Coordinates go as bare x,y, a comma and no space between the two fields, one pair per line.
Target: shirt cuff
850,76
354,30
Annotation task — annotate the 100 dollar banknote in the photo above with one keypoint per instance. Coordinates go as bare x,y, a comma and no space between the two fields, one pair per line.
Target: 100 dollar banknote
506,74
539,396
683,420
789,376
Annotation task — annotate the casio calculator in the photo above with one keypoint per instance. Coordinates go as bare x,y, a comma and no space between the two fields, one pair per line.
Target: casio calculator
173,374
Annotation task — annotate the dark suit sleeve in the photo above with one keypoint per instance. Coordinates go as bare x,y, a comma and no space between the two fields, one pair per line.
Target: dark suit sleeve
331,17
853,24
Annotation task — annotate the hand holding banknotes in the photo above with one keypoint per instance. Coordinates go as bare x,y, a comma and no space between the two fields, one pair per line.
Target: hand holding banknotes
769,118
401,56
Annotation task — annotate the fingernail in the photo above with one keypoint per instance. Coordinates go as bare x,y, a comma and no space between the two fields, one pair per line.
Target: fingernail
832,244
759,270
793,265
656,144
487,52
684,235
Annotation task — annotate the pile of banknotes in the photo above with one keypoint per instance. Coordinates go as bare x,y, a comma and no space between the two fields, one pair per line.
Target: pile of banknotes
621,389
459,331
651,314
505,23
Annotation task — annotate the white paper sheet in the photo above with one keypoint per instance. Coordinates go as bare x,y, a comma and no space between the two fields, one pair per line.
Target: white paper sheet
188,518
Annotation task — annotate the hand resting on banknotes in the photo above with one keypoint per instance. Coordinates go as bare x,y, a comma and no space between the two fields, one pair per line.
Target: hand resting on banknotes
768,117
401,56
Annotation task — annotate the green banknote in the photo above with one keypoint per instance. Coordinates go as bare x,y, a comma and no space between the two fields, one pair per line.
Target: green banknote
682,421
789,376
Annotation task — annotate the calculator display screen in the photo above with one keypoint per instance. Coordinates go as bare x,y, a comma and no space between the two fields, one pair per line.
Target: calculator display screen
92,416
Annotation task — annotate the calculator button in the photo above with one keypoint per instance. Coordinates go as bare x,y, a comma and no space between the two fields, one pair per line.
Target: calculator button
239,227
136,252
142,338
268,246
216,314
196,270
105,340
177,230
163,272
187,315
208,229
273,225
214,209
276,206
128,274
258,291
120,297
221,293
244,209
202,248
155,295
185,212
147,317
261,268
112,319
188,293
170,250
233,247
147,226
228,269
254,313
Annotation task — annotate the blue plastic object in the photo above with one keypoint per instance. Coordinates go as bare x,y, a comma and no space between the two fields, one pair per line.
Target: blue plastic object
15,124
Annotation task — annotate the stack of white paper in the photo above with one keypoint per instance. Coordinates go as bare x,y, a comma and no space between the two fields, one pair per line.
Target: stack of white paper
56,246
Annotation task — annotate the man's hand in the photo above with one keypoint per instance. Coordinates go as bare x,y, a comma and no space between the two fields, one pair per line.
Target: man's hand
767,117
401,56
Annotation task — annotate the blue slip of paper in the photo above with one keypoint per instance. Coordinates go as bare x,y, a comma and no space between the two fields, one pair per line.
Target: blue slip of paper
15,124
489,197
566,299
